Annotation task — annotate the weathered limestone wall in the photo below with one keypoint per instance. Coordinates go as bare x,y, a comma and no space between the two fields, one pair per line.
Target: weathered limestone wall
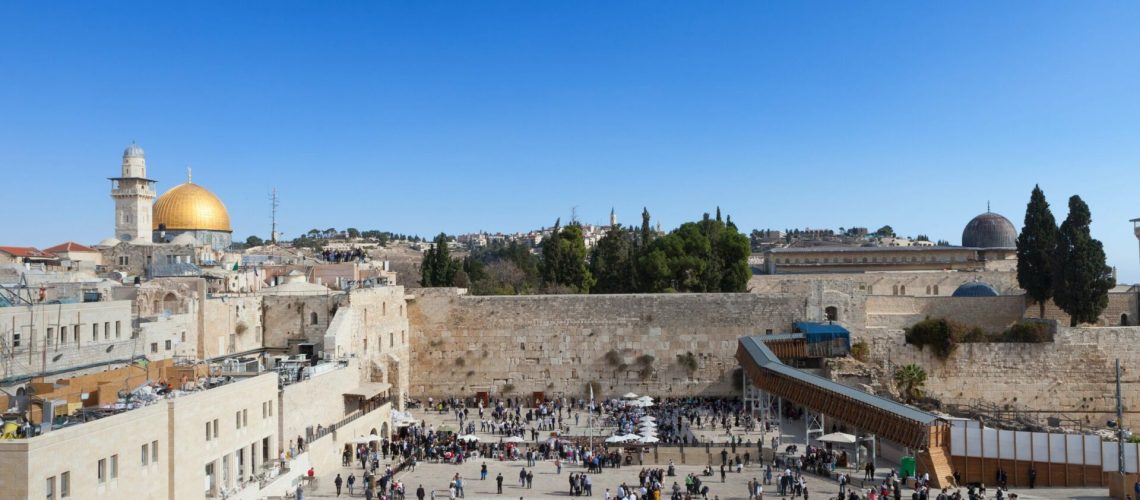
1071,377
232,325
556,344
289,318
992,314
381,337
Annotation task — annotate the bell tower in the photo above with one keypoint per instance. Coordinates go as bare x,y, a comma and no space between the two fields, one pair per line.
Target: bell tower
134,198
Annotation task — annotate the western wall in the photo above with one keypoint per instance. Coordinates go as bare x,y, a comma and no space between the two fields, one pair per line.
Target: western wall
519,345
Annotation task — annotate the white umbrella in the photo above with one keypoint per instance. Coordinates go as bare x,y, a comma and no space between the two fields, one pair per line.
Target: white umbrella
469,437
368,439
615,439
648,439
648,418
648,433
513,439
837,437
645,398
630,395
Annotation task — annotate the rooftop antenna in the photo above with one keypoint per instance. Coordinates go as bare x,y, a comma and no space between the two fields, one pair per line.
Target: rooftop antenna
189,176
273,202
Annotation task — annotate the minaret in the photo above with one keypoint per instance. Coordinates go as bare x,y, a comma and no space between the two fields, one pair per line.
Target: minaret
613,217
134,198
1136,227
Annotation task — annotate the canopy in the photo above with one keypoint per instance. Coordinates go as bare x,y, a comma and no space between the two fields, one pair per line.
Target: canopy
367,439
645,398
648,418
513,439
631,437
837,437
616,439
468,437
648,439
648,433
369,390
629,395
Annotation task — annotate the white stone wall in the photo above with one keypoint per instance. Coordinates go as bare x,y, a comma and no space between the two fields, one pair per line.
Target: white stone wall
93,333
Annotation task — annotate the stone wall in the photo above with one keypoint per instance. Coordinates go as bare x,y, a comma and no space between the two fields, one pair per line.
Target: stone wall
1071,377
231,325
992,314
556,344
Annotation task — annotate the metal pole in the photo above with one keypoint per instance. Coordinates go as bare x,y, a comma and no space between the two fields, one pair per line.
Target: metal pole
1119,425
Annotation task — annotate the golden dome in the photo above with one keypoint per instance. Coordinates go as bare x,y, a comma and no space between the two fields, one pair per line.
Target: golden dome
190,207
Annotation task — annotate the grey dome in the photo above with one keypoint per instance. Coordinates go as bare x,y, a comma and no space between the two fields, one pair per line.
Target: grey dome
133,151
989,230
975,289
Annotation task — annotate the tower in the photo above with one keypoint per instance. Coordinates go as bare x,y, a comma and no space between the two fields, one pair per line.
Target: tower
1136,227
134,195
613,217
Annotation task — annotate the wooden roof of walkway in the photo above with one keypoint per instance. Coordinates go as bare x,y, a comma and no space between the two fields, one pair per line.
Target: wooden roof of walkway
883,417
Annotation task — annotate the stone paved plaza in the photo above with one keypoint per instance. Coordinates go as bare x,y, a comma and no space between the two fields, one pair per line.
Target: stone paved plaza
549,484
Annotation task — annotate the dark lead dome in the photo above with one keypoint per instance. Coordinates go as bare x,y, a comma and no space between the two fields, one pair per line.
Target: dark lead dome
975,289
989,230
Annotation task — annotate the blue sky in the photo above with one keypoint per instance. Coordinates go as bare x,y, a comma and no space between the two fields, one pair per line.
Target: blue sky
421,117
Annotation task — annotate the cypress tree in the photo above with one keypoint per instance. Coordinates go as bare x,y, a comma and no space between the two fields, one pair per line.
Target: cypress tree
1082,279
1035,248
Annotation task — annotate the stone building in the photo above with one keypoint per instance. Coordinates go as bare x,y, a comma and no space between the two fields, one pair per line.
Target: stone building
988,244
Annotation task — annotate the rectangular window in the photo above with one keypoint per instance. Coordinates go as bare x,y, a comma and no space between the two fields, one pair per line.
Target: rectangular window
264,410
118,329
237,417
62,335
107,330
15,340
50,334
154,347
145,456
244,418
75,333
154,452
102,470
94,332
208,434
114,466
51,487
168,345
215,428
65,485
271,408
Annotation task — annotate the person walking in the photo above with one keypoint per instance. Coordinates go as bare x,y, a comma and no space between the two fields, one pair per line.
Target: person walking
351,482
338,481
420,493
483,472
722,473
499,483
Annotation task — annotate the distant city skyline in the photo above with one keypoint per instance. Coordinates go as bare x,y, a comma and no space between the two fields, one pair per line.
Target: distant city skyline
421,118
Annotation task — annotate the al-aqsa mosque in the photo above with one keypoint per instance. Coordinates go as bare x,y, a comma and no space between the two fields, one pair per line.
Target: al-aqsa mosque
187,214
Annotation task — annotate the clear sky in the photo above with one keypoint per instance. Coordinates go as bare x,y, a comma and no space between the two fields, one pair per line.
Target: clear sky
420,117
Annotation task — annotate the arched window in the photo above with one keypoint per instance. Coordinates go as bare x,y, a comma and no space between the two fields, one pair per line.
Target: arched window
902,290
313,318
1124,319
935,289
895,290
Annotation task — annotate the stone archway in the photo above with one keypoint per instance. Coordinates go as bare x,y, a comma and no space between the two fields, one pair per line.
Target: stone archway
170,303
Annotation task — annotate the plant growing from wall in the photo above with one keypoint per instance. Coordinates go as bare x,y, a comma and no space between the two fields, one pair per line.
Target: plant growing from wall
508,388
645,372
241,327
461,361
645,360
860,350
689,362
910,380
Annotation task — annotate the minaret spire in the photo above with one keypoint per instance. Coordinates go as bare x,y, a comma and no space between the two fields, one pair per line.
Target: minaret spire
189,176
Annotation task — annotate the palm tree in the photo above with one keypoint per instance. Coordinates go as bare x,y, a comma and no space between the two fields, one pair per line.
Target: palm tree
910,380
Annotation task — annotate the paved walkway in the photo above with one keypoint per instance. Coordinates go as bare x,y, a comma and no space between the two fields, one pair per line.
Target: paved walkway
549,484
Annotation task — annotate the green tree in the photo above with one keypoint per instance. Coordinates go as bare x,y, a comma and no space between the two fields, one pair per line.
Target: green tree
910,380
885,231
1082,279
1036,246
437,267
612,262
353,232
564,260
254,241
